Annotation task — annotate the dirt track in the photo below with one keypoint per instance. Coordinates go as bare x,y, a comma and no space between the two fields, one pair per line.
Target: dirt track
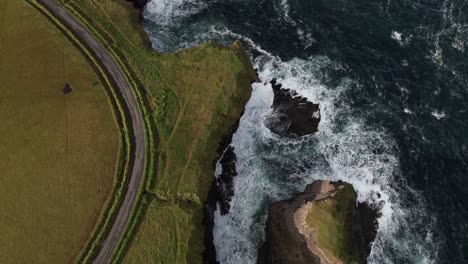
120,83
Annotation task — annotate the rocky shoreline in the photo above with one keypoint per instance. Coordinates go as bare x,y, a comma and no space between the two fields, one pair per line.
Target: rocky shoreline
302,118
292,116
222,188
293,237
215,194
225,180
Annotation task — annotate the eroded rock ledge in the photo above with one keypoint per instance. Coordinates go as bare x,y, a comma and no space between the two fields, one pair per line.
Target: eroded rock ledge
324,224
226,180
292,114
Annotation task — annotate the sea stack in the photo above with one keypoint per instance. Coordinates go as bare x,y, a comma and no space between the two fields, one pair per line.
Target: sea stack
324,224
292,115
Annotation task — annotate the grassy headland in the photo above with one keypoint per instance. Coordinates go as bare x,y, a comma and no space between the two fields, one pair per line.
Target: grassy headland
58,151
330,218
190,99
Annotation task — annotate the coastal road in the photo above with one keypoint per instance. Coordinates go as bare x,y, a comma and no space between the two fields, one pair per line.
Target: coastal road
120,82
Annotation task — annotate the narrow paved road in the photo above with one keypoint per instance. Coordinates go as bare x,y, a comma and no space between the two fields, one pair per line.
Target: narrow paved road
121,83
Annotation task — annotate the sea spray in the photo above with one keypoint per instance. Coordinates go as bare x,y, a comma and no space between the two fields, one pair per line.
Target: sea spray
347,147
271,168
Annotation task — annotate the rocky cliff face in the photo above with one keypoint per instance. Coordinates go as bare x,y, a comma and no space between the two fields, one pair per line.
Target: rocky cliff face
324,224
139,3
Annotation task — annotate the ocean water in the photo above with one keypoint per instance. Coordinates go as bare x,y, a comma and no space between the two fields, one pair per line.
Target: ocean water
391,78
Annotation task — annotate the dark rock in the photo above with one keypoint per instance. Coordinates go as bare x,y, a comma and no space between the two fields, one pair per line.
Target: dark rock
139,3
226,180
209,206
292,115
367,228
67,89
257,77
220,192
285,243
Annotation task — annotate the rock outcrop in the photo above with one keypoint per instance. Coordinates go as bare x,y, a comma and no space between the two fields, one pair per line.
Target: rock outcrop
292,114
226,180
324,224
216,194
139,3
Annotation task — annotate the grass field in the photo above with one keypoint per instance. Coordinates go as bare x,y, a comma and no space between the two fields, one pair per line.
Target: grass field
329,218
58,152
163,234
193,97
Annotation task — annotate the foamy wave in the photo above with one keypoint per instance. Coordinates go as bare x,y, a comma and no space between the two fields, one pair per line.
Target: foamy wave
285,9
215,33
166,12
273,168
396,36
453,27
438,114
402,40
164,20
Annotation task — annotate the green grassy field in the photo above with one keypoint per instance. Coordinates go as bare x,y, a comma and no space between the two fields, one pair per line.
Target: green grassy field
164,235
329,218
210,102
192,97
58,152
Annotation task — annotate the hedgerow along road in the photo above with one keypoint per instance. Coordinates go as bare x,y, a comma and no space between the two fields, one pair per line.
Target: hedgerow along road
119,82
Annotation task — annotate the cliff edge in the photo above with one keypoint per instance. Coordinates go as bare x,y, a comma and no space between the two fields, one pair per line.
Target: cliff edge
324,224
139,3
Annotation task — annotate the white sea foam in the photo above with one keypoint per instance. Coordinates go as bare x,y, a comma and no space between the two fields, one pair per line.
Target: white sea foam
286,8
438,114
458,32
166,16
215,33
396,36
306,38
272,168
166,12
454,27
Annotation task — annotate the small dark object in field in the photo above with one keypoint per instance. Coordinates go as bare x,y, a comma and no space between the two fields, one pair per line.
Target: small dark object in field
67,89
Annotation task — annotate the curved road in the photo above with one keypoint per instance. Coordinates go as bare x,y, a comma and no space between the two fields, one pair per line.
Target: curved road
120,82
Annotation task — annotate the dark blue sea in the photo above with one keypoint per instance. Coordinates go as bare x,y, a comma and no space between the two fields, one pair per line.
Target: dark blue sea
391,78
